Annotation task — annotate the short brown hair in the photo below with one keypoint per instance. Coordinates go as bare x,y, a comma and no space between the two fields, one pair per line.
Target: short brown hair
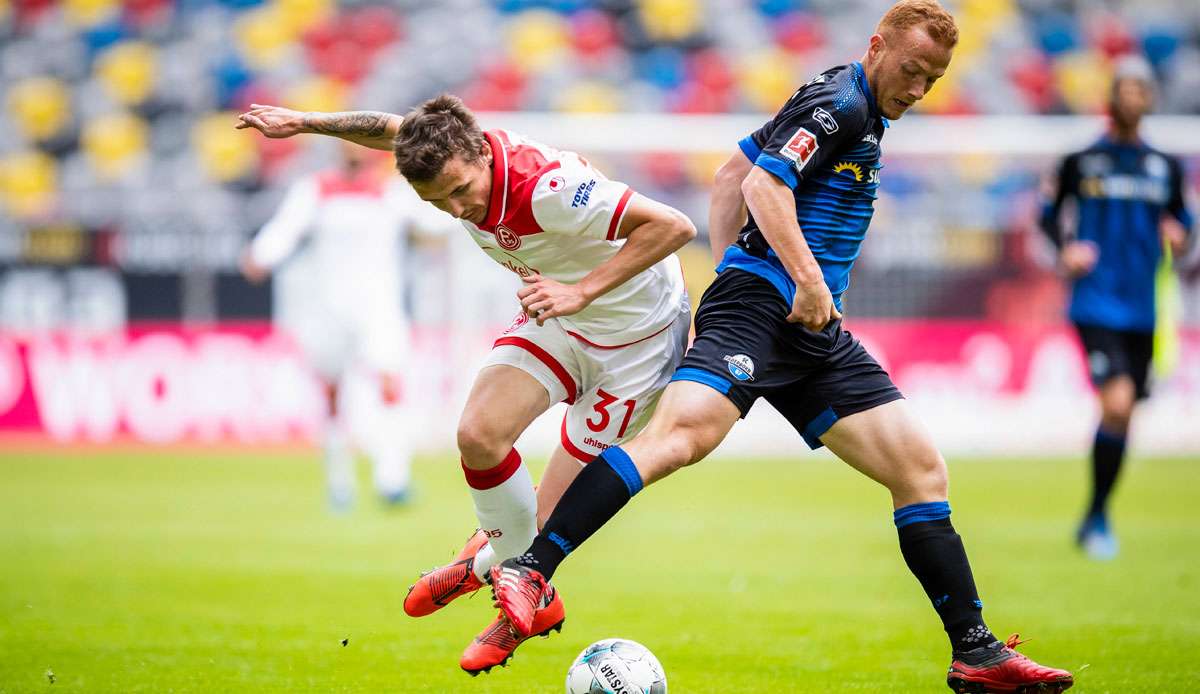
432,134
937,22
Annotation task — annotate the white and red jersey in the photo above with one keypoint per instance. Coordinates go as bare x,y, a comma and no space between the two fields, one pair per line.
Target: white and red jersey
357,227
553,214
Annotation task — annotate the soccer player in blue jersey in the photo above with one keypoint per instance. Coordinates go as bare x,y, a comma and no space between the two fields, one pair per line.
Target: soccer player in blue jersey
1129,201
770,327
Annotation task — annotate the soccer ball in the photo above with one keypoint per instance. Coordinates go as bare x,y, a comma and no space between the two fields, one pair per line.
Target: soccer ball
616,666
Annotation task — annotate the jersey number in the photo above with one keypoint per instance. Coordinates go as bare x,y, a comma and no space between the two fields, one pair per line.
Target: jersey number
601,408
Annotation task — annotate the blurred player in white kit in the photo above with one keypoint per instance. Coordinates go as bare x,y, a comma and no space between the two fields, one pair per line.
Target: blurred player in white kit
345,309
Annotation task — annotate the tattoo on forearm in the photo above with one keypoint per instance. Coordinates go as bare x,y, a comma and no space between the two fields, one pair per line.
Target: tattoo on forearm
363,123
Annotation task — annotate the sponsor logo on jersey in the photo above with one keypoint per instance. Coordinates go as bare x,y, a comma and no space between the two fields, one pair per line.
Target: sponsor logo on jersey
521,319
583,193
508,239
558,183
589,441
741,366
801,148
1156,166
870,138
851,168
827,122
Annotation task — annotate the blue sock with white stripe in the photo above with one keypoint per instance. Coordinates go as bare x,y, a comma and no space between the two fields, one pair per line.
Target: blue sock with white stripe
596,495
936,556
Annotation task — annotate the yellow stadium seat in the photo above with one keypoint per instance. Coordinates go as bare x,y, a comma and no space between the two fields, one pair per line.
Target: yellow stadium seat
768,78
225,154
128,71
317,94
40,107
28,184
671,20
589,97
300,15
264,36
112,143
537,39
1083,80
89,13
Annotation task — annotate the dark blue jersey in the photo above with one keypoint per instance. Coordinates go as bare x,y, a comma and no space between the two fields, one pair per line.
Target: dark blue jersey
824,144
1122,191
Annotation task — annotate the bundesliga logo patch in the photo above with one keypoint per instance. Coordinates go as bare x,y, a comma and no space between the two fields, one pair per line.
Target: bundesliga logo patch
801,148
741,366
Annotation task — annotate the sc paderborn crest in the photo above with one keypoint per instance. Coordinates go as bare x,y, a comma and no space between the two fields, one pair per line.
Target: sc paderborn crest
507,238
740,366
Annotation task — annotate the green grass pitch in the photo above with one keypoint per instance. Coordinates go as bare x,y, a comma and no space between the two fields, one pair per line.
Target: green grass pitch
165,571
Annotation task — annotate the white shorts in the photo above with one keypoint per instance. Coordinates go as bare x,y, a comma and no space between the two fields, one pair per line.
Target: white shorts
332,342
610,391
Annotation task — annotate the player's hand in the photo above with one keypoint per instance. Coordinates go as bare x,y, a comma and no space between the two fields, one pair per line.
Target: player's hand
813,306
1078,258
252,271
543,298
1174,236
272,121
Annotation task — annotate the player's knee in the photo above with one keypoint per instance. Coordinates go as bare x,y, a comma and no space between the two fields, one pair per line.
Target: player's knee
927,479
480,444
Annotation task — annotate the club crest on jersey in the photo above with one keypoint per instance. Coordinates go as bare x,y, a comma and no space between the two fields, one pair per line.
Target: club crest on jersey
801,148
507,238
520,319
827,122
741,366
557,183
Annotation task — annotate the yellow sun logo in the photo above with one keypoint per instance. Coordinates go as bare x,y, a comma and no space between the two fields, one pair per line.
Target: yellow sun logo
849,166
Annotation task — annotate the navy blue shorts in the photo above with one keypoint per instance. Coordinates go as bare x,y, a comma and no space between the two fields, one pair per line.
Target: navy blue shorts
746,349
1112,353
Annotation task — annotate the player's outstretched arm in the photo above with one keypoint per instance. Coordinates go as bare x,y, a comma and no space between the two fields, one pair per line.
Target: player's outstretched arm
727,208
374,129
771,202
651,230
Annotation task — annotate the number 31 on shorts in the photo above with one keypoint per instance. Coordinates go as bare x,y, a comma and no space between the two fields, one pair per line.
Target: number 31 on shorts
602,415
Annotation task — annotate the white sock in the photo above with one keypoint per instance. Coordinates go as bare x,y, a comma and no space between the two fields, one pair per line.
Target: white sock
485,559
339,464
506,506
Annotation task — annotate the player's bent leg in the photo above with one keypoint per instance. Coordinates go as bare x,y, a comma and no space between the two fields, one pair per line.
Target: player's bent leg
888,444
502,402
562,469
1117,397
691,420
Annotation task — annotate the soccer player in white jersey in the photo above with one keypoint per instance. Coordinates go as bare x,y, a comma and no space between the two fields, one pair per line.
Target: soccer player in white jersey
342,302
605,319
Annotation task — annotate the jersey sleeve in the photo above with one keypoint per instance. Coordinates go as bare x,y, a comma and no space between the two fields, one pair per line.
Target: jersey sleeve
1066,184
1176,205
291,221
578,200
806,134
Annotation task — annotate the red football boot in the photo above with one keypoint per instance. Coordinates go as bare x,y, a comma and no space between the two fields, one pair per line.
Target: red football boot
519,592
999,668
495,645
435,589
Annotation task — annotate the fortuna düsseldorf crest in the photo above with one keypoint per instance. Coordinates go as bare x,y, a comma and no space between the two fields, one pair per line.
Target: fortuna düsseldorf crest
507,238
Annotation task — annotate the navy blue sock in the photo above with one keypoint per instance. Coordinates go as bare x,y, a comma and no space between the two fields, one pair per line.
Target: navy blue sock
1108,451
935,555
601,489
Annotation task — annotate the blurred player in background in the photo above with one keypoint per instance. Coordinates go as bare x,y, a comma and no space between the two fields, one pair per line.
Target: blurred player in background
769,327
604,324
1129,204
345,309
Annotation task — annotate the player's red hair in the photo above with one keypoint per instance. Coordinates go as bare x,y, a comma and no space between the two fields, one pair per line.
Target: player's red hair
929,14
